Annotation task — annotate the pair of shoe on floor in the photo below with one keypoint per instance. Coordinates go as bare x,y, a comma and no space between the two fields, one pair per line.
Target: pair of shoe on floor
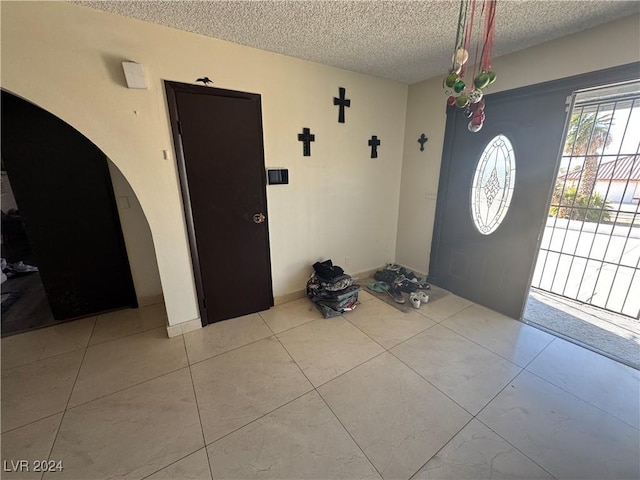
418,298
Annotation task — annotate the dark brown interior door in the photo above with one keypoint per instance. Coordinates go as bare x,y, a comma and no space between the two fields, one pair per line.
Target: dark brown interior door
62,186
219,145
495,269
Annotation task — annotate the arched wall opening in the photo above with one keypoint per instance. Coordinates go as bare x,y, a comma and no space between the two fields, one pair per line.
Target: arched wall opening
135,234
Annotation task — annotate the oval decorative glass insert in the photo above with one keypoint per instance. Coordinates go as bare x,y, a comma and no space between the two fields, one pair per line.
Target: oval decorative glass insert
493,185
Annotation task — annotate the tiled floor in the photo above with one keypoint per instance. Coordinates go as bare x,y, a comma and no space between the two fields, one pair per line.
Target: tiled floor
452,390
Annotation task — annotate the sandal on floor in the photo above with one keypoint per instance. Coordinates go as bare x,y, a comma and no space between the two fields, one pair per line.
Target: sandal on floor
378,287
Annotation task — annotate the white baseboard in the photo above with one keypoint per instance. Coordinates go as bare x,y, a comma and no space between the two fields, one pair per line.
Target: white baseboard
195,324
185,327
289,297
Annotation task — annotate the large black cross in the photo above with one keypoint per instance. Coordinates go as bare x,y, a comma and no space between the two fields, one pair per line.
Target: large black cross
343,102
422,140
374,143
306,137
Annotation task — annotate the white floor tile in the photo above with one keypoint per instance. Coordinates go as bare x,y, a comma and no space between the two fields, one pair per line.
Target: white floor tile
302,440
598,380
567,437
477,453
132,433
39,389
364,296
570,414
45,343
31,443
326,348
223,336
387,325
130,321
237,387
193,467
511,339
291,314
443,308
396,417
122,363
468,373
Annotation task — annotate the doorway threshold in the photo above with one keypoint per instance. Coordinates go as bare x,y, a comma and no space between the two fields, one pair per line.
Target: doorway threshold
609,334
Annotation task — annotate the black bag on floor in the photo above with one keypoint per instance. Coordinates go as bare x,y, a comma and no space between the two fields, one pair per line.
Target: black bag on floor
331,290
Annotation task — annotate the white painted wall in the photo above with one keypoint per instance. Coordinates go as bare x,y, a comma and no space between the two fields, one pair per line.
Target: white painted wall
613,44
138,240
339,203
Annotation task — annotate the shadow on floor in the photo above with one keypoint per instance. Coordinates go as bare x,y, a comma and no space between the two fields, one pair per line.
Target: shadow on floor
613,336
30,308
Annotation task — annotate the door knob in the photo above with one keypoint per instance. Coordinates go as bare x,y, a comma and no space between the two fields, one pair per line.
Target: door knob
259,218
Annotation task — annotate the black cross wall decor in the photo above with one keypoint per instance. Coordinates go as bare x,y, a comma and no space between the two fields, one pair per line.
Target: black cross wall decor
422,140
306,137
343,102
374,143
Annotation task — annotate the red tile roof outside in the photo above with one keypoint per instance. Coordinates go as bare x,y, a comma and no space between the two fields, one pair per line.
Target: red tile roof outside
623,168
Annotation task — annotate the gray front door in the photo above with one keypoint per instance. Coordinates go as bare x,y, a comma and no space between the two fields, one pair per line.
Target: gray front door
490,259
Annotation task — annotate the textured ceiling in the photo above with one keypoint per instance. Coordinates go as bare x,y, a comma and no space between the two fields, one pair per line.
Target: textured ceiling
399,40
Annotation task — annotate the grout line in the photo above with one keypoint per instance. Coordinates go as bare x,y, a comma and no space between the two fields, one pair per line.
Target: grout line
267,413
489,350
176,461
43,359
510,382
259,418
226,351
349,433
128,387
329,407
199,419
518,450
64,413
430,383
442,448
142,332
195,397
32,422
583,400
291,328
577,342
57,354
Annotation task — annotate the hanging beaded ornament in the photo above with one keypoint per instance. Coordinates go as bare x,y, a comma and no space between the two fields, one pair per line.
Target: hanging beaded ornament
468,95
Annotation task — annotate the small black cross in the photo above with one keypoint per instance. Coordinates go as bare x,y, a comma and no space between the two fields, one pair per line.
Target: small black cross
422,140
306,137
374,143
343,102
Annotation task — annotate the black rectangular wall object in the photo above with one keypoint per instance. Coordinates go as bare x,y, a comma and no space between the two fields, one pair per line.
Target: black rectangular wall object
278,176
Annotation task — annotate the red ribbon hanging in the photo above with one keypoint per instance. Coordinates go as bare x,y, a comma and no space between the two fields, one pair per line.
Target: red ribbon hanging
489,36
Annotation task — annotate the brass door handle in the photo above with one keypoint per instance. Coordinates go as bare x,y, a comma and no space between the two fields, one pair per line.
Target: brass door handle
259,218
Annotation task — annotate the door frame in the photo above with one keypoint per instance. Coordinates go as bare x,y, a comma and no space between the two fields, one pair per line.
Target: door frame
571,84
172,89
